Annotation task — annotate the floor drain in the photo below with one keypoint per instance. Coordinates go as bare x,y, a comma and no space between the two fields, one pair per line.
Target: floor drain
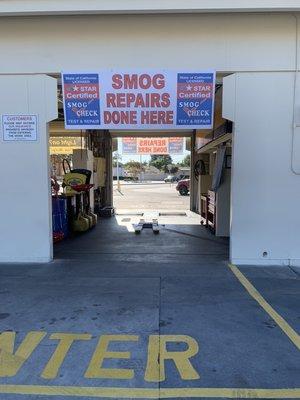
128,214
172,214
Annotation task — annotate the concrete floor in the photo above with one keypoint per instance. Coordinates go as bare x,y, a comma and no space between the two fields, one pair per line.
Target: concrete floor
110,281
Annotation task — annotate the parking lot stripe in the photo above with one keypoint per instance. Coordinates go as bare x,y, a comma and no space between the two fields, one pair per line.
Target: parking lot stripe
141,393
281,322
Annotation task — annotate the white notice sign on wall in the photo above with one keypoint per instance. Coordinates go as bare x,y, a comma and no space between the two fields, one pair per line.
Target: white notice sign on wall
19,128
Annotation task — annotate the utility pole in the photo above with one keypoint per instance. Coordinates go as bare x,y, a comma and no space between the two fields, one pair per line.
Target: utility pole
118,174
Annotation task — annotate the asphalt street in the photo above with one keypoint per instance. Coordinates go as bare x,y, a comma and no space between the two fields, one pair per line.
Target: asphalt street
150,196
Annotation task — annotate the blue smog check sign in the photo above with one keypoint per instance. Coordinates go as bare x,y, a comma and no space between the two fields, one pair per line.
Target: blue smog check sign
195,95
81,100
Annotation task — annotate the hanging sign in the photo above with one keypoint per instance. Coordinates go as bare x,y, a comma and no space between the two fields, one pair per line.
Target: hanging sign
195,94
19,128
81,100
154,145
129,145
139,100
65,145
176,145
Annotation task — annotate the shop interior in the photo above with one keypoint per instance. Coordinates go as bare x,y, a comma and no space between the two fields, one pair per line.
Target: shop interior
213,172
81,164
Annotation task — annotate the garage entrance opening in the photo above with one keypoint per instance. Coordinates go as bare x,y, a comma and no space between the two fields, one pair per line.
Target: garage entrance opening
108,185
152,173
152,180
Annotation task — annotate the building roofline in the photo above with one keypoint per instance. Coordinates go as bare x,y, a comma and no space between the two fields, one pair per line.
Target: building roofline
86,7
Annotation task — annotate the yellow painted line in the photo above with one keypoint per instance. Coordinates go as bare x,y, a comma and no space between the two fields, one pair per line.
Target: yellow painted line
281,322
140,393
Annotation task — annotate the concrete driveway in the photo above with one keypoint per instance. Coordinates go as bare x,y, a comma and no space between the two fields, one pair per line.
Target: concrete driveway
119,315
149,196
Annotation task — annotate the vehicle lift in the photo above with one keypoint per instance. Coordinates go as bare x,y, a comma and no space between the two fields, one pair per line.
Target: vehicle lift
147,225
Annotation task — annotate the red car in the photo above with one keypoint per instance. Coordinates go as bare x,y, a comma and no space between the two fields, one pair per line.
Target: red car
183,187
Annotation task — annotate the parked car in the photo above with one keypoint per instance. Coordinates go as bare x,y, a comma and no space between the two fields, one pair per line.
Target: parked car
170,178
181,177
183,187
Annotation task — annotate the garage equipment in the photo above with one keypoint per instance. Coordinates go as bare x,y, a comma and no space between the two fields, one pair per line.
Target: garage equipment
74,177
106,212
59,219
77,186
148,225
80,224
87,212
83,208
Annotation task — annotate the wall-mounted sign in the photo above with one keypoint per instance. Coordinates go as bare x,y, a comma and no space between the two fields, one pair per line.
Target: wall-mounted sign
133,145
139,100
65,145
19,128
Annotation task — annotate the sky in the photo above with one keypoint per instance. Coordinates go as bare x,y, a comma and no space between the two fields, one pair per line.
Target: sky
125,158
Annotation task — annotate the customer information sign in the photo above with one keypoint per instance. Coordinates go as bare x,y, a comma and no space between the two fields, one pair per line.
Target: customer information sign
138,100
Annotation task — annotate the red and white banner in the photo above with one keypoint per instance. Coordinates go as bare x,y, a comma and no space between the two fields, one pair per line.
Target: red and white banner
139,100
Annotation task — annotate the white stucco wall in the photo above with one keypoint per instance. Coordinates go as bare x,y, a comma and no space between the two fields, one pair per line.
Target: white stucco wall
265,190
225,43
25,212
261,47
